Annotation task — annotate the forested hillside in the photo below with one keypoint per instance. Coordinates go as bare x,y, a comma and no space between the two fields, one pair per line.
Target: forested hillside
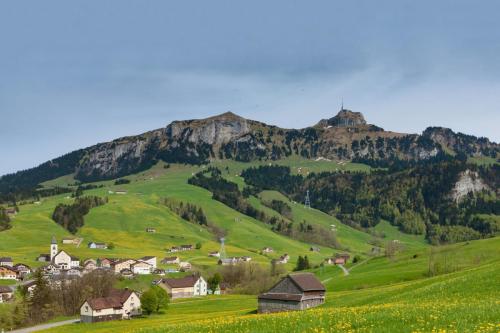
423,199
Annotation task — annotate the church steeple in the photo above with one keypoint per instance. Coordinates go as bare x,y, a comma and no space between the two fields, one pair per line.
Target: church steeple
53,248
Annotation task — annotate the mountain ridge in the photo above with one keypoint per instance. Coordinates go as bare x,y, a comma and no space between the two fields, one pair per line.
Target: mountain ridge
346,136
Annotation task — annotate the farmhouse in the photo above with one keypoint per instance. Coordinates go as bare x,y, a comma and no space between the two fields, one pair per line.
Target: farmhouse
6,261
22,270
6,293
215,254
141,268
151,230
174,249
186,247
121,192
121,264
267,250
171,260
94,245
150,260
70,240
184,266
282,260
120,304
314,249
105,262
294,292
89,265
188,286
7,273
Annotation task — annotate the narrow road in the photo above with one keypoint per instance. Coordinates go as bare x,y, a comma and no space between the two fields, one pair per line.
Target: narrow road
44,326
346,271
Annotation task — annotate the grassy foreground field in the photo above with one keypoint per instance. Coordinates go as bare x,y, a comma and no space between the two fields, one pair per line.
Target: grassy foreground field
467,300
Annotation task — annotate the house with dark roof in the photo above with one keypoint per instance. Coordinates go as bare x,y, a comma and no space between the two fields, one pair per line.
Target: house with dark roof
7,273
188,286
294,292
150,260
6,261
22,270
120,304
6,293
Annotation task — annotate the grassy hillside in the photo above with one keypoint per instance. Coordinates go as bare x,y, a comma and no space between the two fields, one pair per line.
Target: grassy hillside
465,300
124,219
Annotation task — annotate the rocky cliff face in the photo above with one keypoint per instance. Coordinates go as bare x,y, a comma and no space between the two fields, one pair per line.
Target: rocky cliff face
346,136
217,130
469,182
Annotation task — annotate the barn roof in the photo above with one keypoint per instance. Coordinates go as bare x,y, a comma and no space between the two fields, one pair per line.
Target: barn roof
185,282
307,282
104,303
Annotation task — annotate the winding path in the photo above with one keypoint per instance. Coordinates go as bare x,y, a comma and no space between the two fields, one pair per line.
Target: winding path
44,326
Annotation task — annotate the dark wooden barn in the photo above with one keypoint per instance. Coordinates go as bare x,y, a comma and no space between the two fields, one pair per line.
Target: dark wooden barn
294,292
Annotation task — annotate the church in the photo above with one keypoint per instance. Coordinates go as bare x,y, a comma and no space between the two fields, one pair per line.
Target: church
60,259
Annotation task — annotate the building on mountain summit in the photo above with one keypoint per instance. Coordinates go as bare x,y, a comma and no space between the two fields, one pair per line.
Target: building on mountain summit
294,292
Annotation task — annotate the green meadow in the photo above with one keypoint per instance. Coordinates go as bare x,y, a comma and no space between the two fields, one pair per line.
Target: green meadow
420,289
464,299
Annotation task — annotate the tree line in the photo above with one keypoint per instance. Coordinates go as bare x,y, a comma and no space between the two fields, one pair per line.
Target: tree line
71,217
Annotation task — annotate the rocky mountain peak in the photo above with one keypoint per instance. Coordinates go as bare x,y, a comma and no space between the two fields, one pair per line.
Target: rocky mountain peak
216,130
344,118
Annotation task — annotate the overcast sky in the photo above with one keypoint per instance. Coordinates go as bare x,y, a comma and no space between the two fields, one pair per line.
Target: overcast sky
75,73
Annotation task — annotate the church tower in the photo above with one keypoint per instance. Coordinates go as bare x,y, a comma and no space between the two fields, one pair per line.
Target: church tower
53,248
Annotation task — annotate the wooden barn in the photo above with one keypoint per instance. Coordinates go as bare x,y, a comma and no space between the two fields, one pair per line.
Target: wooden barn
294,292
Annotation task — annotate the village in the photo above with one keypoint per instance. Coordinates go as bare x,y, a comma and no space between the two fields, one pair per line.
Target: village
296,291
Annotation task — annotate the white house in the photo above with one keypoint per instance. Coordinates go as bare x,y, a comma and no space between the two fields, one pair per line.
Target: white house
95,245
120,304
141,267
6,261
200,287
150,260
188,286
171,260
65,261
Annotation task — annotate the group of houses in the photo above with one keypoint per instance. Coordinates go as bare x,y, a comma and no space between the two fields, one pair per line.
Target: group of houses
9,271
60,263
